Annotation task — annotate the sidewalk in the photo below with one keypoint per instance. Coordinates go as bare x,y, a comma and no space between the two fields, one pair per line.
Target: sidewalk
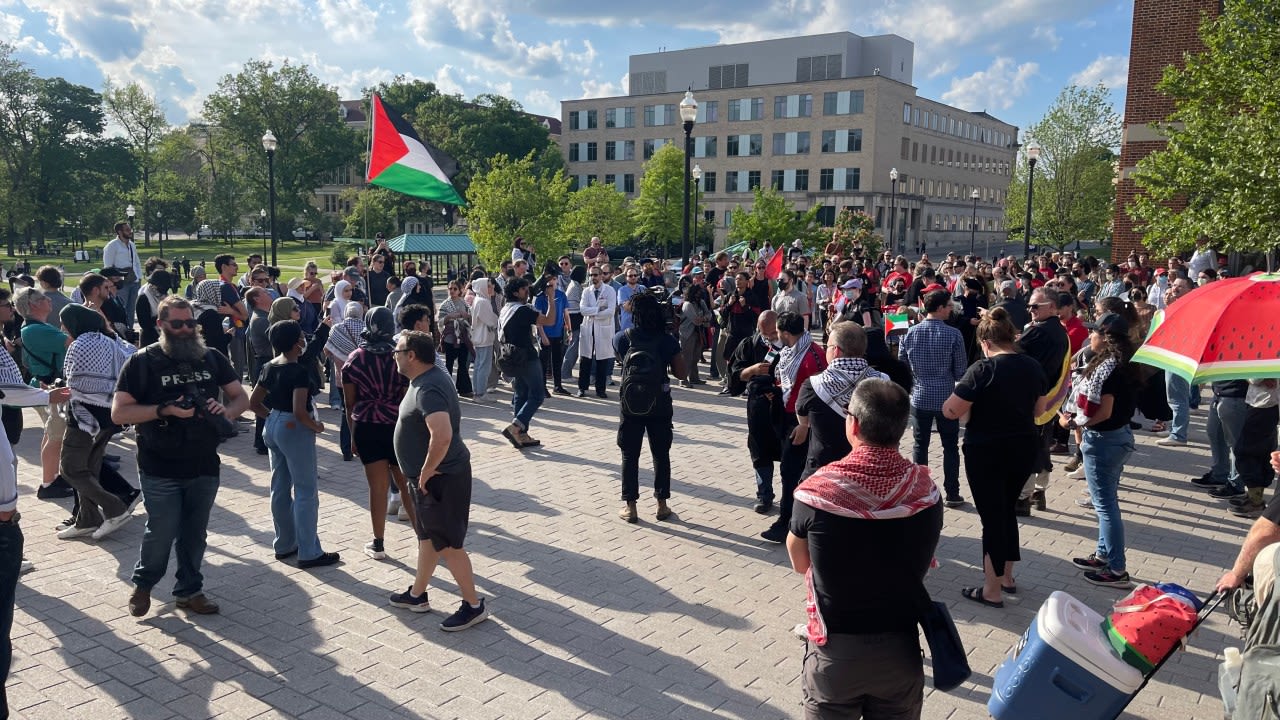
591,617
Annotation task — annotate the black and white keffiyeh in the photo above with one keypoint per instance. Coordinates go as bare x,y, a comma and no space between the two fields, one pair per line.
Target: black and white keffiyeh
91,367
789,362
834,386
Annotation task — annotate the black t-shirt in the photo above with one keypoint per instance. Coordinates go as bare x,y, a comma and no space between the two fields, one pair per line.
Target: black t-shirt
210,323
1004,390
827,441
893,554
1048,344
175,447
519,328
667,348
281,379
1272,511
1121,386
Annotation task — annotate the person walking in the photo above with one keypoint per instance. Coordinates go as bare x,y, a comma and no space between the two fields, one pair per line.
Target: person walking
178,464
644,407
429,447
516,326
595,347
1001,395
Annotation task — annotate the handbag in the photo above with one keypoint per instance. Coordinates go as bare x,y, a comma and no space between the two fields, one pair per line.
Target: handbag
946,651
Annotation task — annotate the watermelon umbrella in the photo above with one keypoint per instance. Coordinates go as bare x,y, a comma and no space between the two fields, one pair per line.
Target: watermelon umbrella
1226,330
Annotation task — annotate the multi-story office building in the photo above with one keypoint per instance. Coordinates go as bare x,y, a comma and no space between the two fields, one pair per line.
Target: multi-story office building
823,118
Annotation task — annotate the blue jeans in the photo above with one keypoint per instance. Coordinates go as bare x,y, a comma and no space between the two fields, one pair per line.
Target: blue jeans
922,422
1225,423
295,501
1104,454
177,519
10,564
128,294
1178,391
480,371
528,390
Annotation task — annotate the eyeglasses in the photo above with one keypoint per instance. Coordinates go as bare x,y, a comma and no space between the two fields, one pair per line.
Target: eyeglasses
397,351
260,280
179,324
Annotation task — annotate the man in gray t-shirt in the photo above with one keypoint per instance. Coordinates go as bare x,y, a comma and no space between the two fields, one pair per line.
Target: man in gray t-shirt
429,450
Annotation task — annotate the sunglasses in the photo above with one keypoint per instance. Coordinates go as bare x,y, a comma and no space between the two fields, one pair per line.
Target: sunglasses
260,279
179,324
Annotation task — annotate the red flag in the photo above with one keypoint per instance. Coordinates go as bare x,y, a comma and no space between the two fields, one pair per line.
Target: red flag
774,268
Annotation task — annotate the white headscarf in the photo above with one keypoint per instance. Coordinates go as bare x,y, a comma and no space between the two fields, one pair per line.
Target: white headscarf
338,306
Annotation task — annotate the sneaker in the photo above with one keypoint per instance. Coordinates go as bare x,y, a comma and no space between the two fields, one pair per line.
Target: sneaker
69,522
68,533
1242,500
1093,562
1206,481
1251,509
403,513
1227,491
1171,442
26,567
777,533
1085,502
131,500
111,525
954,501
1078,472
762,506
1073,464
56,490
393,505
1106,578
1038,498
465,617
375,549
328,558
409,601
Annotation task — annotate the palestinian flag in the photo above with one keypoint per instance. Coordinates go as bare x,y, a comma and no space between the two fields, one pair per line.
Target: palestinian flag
399,160
895,321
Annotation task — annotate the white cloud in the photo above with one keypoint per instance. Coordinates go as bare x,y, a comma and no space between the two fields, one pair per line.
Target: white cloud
11,27
597,89
1110,70
483,31
346,20
541,102
995,88
946,67
1047,35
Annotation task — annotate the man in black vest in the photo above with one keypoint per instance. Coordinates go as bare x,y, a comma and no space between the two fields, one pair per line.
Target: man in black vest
1045,339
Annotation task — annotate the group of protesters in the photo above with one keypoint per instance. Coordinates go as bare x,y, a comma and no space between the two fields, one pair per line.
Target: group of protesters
835,353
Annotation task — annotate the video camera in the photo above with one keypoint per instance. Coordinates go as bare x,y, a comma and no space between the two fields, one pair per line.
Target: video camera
550,271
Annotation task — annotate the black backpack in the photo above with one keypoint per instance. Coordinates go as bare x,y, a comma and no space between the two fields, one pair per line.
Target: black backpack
644,375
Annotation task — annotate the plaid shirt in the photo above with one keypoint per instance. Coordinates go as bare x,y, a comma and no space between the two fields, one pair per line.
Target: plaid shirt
935,352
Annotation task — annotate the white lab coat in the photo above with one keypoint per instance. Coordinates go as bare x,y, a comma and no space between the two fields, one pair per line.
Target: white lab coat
595,338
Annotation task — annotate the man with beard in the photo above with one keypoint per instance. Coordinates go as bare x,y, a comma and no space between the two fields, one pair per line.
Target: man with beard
169,393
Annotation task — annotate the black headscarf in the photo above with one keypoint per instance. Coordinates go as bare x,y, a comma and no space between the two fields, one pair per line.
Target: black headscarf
379,331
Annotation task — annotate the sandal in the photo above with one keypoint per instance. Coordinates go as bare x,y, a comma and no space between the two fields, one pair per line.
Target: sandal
975,594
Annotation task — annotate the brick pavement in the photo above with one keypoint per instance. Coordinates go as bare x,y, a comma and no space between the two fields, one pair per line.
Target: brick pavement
689,618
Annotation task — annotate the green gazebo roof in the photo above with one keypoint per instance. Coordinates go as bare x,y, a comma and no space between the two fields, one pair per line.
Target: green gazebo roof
433,244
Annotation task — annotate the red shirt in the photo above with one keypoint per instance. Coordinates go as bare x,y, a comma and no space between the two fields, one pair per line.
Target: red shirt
906,278
1077,333
813,363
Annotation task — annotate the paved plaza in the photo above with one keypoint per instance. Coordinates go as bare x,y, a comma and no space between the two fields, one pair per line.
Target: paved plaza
591,617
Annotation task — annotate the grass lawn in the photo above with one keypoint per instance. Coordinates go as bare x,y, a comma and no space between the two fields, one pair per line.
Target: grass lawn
292,254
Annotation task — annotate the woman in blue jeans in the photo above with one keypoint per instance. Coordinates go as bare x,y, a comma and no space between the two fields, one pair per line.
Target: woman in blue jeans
516,327
1102,401
283,397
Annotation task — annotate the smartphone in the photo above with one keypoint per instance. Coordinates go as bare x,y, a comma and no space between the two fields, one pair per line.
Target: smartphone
771,356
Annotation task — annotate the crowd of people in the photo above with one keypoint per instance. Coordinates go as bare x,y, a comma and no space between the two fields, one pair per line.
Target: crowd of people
834,353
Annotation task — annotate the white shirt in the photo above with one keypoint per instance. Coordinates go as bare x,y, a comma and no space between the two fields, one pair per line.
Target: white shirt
119,254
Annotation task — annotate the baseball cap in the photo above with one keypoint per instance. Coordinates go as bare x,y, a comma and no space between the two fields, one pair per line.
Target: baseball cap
1110,324
930,288
1008,285
697,270
852,283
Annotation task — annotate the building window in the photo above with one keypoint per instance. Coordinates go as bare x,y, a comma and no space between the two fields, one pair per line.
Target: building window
745,145
708,111
906,148
827,216
753,179
906,113
792,143
628,183
915,117
727,76
620,150
659,115
708,182
651,146
776,179
573,152
792,106
847,102
574,183
820,67
704,147
591,152
826,179
852,178
915,151
746,109
623,117
611,180
728,218
802,181
582,120
839,141
591,179
731,182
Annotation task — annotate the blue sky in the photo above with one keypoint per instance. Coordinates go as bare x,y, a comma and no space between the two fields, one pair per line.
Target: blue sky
1007,57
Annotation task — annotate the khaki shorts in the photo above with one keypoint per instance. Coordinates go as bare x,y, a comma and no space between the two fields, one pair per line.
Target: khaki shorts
55,423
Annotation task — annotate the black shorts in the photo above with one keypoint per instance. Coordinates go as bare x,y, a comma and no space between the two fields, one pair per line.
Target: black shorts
375,442
444,509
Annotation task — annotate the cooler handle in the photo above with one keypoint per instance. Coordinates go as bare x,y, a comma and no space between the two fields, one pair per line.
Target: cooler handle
1074,691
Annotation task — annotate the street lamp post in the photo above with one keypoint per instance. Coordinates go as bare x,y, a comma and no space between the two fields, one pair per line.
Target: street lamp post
893,208
262,215
689,114
973,225
697,186
129,213
1033,154
160,235
269,144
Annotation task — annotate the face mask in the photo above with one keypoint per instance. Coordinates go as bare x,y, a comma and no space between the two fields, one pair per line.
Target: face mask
851,294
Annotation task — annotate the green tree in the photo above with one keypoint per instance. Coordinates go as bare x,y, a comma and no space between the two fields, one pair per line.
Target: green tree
1074,194
658,207
373,211
144,124
856,230
512,198
303,115
598,210
1217,178
476,132
773,219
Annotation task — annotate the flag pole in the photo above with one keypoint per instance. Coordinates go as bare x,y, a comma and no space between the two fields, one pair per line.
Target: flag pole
368,160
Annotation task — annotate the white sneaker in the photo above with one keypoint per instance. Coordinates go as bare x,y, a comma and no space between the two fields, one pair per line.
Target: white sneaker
1170,442
111,525
75,532
403,514
26,567
371,550
393,504
1077,474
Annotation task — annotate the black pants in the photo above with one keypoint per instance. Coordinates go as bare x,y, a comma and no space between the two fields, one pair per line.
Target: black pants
10,565
997,471
631,432
460,354
552,357
1254,446
601,369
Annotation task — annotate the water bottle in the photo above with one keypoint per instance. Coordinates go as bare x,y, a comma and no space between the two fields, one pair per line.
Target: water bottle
1229,678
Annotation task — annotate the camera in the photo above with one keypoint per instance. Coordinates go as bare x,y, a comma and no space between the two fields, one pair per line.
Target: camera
550,271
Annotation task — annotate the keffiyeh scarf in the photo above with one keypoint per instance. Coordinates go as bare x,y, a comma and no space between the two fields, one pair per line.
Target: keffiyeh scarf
1087,388
344,339
870,483
834,386
208,295
789,362
92,367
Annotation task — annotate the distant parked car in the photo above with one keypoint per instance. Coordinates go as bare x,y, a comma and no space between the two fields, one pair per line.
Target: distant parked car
301,234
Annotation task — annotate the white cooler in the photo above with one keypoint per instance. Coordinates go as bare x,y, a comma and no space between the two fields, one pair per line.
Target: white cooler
1063,669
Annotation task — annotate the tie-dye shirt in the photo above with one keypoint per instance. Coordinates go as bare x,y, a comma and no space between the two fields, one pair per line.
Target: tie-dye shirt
379,386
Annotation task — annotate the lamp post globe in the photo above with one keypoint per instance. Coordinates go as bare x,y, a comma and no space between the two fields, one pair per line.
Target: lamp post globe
160,236
269,144
689,115
893,208
973,224
262,223
1033,155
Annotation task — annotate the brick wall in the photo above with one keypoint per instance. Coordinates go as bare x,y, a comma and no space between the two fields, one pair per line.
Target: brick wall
1163,32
